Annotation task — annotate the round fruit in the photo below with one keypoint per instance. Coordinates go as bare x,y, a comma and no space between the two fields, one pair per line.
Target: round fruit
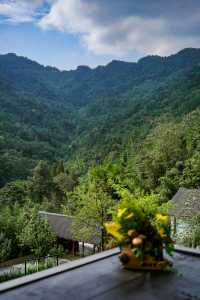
137,241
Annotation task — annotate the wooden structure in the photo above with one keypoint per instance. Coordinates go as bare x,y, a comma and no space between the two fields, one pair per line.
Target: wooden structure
62,227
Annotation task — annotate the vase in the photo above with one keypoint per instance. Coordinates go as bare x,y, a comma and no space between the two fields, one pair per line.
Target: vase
145,262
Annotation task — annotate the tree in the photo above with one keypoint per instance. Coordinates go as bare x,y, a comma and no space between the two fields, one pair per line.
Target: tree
8,230
36,234
191,173
93,211
14,191
41,184
5,247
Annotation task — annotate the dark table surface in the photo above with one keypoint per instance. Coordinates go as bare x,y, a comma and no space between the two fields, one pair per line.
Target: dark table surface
106,279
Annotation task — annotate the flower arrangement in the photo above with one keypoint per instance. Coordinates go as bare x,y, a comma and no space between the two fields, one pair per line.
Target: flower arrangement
142,229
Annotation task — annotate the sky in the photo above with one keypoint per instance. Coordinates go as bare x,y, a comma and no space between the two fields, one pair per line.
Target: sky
68,33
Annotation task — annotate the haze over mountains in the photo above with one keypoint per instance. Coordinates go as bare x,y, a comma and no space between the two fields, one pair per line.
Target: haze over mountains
88,113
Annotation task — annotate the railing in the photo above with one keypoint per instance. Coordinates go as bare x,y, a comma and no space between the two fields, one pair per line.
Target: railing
32,265
29,266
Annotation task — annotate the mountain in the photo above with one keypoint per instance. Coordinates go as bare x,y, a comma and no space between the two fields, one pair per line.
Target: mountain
88,113
80,87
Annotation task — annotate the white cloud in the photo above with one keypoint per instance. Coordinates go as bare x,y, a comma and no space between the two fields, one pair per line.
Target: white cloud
104,29
18,11
74,16
121,35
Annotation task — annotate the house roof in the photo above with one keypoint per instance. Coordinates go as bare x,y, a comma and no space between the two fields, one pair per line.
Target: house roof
61,224
186,203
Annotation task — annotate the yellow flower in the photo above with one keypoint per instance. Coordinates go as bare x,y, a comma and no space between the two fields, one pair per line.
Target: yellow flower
162,233
131,215
162,218
121,212
113,229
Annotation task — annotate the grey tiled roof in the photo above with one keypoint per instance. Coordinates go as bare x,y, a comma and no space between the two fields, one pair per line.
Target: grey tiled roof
61,224
186,203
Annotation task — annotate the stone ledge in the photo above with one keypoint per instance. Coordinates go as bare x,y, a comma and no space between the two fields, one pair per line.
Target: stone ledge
187,250
11,284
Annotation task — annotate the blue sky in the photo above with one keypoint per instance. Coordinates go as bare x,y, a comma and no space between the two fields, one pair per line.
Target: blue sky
68,33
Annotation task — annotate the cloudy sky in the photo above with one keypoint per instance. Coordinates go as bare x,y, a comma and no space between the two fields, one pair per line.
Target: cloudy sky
67,33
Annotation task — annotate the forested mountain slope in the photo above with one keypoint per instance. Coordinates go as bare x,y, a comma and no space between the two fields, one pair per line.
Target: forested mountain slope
78,142
29,131
113,121
88,113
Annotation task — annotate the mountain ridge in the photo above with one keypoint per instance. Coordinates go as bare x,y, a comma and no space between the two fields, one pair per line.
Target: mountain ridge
78,87
183,52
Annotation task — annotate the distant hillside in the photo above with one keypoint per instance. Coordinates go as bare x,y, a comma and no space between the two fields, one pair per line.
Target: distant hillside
83,85
29,131
88,113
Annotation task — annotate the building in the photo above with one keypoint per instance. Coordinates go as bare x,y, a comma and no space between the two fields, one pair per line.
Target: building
62,225
185,205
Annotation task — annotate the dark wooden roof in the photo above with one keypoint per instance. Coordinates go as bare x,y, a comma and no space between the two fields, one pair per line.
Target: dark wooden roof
186,203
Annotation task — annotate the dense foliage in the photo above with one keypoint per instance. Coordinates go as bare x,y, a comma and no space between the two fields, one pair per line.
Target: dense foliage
77,141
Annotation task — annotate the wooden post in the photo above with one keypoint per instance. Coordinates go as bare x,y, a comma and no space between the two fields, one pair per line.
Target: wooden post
73,248
102,239
174,229
25,267
193,239
83,249
37,264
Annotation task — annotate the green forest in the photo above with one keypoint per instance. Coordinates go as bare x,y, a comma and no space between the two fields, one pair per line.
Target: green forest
79,142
